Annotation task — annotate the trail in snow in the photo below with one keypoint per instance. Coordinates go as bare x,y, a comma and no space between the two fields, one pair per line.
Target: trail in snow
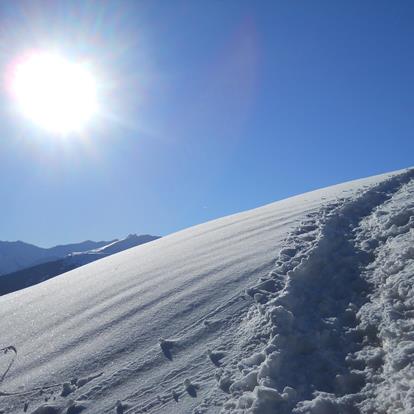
324,353
205,320
387,359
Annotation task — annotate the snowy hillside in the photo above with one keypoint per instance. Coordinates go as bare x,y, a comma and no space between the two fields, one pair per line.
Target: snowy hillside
35,274
18,255
301,306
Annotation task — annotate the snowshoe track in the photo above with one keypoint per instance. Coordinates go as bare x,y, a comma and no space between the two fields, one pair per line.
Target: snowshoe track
303,344
307,363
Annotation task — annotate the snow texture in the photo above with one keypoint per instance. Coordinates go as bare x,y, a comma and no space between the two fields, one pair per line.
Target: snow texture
302,306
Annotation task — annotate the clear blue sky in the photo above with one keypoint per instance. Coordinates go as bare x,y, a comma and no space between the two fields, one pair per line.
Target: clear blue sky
210,108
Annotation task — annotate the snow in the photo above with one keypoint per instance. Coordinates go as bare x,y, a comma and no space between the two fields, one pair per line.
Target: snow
46,270
18,255
301,306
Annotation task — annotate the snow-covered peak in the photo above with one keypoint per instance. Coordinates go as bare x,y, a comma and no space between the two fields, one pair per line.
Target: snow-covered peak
48,268
116,246
19,255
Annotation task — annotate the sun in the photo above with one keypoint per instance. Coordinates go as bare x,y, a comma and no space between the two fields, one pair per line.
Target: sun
53,92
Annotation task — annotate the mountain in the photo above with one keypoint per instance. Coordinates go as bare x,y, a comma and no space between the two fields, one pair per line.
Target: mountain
117,246
302,306
19,255
39,273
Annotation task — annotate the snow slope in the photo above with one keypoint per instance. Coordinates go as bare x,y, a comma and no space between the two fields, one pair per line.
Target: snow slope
35,274
18,255
303,306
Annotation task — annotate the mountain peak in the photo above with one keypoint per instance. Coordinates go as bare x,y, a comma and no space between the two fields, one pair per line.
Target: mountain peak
19,255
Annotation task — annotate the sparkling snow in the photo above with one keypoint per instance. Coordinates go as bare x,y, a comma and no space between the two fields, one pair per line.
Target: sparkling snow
302,306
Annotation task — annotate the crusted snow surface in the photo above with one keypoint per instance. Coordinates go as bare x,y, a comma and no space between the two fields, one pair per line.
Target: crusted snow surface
301,306
333,321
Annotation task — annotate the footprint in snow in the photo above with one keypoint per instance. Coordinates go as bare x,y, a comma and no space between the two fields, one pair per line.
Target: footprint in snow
120,407
175,395
67,388
191,388
216,357
166,346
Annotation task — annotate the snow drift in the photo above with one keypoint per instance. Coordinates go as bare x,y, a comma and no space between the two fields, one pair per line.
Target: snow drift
301,306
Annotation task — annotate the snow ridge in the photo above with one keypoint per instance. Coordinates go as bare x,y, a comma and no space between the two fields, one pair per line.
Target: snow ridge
310,313
170,327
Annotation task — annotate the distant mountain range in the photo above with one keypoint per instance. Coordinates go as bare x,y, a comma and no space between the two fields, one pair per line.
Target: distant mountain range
18,255
23,264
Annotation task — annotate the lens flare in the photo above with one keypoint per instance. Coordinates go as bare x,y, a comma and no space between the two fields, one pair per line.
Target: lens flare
56,94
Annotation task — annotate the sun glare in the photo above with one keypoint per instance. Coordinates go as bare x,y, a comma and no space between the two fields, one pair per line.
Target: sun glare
53,92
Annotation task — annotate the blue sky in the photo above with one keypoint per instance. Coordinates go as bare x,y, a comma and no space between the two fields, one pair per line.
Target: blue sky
209,108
